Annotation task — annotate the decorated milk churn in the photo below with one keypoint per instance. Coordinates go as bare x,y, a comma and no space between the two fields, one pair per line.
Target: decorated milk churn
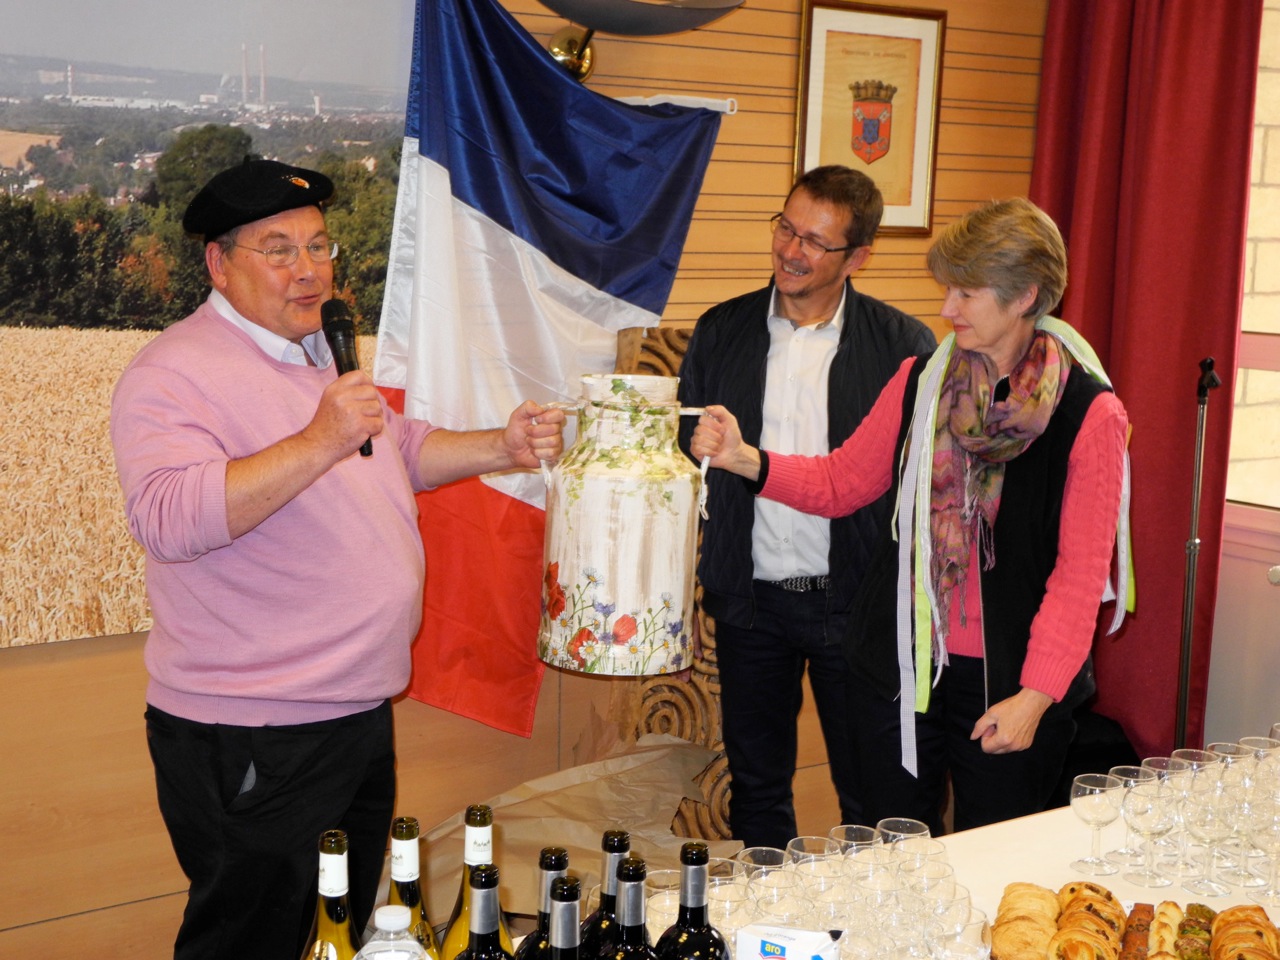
621,541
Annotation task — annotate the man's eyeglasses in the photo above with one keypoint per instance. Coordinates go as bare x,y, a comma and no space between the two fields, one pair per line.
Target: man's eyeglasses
783,232
287,253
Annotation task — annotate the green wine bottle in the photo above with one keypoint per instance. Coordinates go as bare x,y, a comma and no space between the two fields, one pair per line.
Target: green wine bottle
336,937
477,848
406,888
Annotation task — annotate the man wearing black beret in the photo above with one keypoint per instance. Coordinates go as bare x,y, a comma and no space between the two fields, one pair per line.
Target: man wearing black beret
284,570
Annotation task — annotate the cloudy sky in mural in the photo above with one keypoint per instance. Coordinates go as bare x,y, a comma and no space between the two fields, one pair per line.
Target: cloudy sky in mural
366,42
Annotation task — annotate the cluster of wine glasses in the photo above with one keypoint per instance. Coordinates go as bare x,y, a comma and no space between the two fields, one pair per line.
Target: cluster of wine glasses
1207,819
888,889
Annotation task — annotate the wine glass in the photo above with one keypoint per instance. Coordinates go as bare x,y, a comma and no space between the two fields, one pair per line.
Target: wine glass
757,860
1208,813
870,861
800,849
1261,746
1238,770
1150,808
1095,799
915,850
949,907
1178,773
927,875
893,829
1262,822
971,942
662,901
854,836
1129,855
730,907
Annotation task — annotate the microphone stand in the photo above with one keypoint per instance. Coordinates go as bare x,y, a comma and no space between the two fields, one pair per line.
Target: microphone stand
1208,381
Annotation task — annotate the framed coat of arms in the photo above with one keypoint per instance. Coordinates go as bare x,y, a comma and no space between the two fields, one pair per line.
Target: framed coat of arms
868,96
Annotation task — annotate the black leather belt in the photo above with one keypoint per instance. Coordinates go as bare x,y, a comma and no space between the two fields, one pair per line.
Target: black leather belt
800,584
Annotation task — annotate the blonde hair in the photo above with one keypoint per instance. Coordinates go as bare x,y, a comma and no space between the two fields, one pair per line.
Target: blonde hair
1007,245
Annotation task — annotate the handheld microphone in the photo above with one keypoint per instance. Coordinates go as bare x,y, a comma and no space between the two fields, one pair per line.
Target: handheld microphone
340,332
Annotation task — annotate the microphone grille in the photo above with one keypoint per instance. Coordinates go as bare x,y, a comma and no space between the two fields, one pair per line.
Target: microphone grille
334,312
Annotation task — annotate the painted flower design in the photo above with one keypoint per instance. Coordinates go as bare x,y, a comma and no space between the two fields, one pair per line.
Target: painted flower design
624,628
555,592
580,640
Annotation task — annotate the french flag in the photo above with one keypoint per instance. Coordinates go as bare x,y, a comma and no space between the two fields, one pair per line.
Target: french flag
535,220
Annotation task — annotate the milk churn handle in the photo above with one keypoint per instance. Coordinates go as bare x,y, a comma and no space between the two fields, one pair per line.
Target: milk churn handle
706,463
702,493
565,405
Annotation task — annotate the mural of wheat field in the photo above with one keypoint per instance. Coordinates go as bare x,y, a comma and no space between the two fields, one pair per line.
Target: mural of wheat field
67,563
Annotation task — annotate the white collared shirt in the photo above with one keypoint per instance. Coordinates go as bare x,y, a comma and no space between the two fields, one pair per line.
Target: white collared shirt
272,344
785,542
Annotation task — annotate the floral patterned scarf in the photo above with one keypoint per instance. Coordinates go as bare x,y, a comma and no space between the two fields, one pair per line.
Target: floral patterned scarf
974,438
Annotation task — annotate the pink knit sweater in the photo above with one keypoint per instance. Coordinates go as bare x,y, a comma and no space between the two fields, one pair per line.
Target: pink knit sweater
307,617
1062,632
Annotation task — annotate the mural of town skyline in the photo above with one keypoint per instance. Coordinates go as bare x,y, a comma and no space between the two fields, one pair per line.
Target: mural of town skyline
183,50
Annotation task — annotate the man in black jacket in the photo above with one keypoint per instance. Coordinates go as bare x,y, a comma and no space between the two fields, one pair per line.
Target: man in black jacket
799,363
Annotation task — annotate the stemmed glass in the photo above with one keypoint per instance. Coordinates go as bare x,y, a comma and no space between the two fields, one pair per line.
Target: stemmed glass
893,829
1095,799
1208,813
1262,821
1129,855
854,836
1151,809
1204,763
1178,774
1238,768
971,942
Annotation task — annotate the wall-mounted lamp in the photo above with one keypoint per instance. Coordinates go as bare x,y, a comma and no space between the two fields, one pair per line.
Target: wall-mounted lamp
571,47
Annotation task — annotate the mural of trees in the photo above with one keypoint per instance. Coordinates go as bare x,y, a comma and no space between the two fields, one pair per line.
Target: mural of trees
88,261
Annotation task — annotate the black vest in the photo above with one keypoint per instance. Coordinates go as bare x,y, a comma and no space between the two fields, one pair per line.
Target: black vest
1026,551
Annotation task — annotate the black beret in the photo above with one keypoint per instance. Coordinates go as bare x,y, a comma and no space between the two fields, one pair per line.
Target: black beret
254,190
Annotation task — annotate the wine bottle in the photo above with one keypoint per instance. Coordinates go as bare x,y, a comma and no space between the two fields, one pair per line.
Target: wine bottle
553,862
484,938
600,929
336,937
477,848
692,937
406,888
633,935
564,930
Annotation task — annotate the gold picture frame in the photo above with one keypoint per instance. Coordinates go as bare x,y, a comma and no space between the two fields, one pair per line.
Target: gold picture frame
867,97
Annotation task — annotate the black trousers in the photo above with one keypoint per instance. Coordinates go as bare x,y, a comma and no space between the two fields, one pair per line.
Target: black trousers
761,669
245,807
988,788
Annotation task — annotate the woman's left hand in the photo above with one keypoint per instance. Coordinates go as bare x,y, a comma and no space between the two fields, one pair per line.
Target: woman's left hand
1010,725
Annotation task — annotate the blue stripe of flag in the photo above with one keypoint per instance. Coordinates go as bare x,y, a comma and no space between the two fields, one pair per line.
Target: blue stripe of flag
604,189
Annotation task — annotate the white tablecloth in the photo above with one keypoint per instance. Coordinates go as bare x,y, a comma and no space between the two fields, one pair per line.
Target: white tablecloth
1039,849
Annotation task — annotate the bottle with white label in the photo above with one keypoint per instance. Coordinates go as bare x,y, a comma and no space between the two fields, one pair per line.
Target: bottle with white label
406,888
477,849
335,935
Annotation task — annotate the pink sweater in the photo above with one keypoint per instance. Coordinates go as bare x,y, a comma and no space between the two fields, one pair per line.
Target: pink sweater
1062,632
310,615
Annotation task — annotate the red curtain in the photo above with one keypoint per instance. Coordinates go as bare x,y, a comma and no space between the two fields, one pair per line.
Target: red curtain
1142,158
